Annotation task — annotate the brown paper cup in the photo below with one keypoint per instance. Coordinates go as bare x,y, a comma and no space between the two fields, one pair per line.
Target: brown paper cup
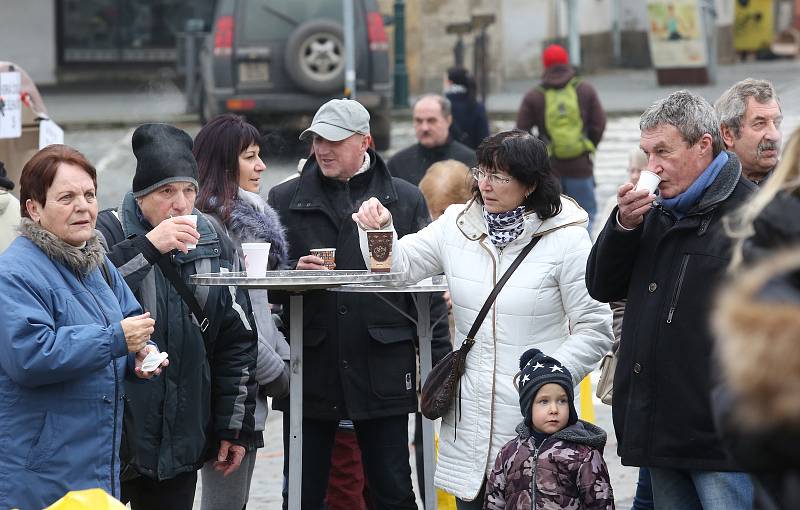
380,250
326,254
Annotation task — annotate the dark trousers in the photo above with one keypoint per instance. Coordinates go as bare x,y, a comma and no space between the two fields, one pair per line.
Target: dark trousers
419,455
643,499
384,453
147,494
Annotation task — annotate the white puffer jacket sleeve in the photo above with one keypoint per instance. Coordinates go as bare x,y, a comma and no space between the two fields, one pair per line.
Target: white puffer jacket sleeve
590,324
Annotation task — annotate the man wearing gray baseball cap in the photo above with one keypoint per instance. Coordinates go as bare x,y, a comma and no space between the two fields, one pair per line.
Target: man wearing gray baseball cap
359,352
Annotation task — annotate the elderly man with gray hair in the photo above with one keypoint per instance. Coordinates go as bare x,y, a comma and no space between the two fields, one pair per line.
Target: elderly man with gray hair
666,253
432,119
750,120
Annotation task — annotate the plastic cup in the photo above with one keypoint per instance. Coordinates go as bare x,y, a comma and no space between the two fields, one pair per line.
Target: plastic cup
649,181
328,255
256,258
380,250
193,219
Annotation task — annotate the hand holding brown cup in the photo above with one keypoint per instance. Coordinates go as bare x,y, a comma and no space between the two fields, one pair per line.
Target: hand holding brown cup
379,243
328,256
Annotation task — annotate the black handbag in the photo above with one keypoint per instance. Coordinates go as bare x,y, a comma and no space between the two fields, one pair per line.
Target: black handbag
443,383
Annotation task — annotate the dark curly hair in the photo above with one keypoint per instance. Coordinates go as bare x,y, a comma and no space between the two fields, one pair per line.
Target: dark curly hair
524,157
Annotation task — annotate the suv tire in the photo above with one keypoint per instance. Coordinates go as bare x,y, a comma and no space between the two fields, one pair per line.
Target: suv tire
315,57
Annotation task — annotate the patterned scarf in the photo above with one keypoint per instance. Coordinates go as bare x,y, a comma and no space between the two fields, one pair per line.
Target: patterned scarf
506,226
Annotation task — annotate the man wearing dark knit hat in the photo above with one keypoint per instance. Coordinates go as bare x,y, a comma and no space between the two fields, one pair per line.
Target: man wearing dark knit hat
198,409
568,116
557,455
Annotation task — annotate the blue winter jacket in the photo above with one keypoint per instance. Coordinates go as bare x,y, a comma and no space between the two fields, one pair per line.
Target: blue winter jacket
63,359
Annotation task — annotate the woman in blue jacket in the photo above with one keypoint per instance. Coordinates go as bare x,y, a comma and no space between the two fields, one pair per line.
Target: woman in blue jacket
69,324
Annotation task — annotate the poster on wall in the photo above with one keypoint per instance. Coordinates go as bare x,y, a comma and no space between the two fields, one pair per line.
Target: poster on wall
10,105
677,36
753,27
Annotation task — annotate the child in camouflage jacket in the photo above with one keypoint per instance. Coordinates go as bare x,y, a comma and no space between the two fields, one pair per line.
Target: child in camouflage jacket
556,461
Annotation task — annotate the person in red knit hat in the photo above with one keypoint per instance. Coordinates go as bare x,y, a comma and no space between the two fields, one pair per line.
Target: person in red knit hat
568,116
554,54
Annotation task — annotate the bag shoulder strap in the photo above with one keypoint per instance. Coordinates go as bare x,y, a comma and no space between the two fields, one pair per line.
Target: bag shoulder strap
106,272
496,290
175,279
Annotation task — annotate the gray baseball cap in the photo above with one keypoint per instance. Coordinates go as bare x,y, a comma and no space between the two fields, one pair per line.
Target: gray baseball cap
339,119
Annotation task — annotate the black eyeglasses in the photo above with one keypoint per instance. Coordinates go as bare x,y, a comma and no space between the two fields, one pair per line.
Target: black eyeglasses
494,177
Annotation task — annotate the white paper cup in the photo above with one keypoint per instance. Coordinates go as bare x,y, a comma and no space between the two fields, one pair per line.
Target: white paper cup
649,181
256,257
193,219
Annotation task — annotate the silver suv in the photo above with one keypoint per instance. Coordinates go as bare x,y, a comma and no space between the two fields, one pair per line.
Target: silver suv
277,61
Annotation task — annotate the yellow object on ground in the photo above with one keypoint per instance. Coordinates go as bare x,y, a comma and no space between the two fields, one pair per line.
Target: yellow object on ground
89,499
587,405
445,500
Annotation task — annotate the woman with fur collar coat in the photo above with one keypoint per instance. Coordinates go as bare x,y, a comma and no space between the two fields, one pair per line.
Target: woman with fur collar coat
227,154
70,329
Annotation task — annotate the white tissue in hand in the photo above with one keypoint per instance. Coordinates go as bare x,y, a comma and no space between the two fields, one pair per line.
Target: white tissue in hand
153,360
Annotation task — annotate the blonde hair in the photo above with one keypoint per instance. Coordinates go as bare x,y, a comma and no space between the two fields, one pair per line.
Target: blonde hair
785,177
445,183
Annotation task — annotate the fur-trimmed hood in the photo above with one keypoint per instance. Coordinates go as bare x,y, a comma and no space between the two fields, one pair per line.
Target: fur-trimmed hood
756,323
253,220
82,261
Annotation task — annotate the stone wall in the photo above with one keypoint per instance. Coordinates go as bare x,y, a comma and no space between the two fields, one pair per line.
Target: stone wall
28,38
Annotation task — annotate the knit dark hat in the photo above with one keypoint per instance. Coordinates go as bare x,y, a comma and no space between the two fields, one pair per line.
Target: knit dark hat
5,182
536,370
163,155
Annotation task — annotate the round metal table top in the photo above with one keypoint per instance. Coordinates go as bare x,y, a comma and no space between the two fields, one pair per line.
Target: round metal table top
436,283
296,279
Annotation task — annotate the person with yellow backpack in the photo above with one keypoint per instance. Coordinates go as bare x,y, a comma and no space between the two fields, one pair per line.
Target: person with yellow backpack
568,116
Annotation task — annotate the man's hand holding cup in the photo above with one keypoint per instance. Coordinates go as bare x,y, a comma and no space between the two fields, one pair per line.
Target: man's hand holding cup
176,233
633,204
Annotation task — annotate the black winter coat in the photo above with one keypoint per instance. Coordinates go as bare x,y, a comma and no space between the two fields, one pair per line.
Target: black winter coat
668,270
411,163
175,422
359,353
470,124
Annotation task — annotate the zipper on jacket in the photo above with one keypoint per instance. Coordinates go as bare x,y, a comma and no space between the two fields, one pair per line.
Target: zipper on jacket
533,473
114,429
116,392
674,304
495,265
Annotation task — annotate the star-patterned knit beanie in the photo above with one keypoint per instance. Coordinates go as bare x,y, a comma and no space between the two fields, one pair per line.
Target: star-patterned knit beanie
536,370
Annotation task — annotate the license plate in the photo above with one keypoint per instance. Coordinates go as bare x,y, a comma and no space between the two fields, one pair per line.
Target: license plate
253,71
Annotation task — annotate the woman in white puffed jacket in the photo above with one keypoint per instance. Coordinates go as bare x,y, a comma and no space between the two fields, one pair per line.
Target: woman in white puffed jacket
544,304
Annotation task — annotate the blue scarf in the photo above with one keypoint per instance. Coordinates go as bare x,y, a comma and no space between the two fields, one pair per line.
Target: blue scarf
506,226
681,204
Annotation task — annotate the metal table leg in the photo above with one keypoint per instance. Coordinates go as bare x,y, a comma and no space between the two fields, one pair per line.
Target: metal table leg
296,402
425,334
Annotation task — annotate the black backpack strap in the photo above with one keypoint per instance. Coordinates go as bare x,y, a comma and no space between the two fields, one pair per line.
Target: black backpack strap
171,274
106,274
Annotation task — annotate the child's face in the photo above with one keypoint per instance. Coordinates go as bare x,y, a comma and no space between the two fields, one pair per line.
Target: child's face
550,409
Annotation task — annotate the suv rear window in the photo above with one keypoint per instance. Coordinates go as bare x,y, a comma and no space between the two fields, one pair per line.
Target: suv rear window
267,20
